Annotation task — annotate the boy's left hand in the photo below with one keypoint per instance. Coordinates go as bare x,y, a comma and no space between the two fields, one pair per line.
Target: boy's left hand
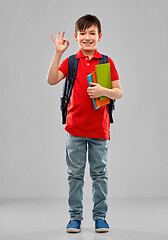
95,91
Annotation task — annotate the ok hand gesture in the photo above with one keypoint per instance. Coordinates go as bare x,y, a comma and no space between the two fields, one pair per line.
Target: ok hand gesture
61,44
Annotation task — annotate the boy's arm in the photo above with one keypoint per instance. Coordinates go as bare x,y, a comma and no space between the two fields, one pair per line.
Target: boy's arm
54,75
115,92
97,91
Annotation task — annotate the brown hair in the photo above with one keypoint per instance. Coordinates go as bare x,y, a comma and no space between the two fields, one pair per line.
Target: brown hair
87,21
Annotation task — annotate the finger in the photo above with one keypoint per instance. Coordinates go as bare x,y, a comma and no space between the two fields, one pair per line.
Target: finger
66,41
91,89
62,35
90,93
93,84
52,38
57,35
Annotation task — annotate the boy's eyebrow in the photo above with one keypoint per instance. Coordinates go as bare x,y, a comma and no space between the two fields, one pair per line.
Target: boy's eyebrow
89,31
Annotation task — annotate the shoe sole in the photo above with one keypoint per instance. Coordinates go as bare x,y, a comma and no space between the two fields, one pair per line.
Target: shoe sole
73,230
102,230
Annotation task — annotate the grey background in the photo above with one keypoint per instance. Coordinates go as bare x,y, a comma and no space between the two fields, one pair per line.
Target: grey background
32,139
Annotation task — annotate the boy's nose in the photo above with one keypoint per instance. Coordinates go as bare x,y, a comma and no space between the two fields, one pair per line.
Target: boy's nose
87,36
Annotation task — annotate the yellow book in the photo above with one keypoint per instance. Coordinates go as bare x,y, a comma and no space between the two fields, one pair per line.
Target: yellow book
103,76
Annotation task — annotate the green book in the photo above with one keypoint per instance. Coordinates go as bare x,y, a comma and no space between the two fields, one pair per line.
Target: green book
103,75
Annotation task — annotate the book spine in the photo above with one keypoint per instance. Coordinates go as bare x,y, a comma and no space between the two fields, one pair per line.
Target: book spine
90,79
95,81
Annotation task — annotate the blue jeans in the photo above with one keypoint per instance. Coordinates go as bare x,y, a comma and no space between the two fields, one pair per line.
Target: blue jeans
76,149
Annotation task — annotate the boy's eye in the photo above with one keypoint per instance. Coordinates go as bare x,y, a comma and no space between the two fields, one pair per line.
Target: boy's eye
93,33
82,33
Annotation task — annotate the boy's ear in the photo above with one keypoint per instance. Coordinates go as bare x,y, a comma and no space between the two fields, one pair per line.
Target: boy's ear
76,37
100,37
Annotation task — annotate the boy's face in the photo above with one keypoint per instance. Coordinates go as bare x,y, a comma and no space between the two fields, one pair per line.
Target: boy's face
88,39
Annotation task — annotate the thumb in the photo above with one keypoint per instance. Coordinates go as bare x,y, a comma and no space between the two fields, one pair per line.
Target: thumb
93,84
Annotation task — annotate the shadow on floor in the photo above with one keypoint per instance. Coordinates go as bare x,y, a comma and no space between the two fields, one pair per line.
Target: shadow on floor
85,234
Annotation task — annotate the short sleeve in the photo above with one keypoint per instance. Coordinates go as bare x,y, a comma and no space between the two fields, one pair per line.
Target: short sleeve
64,67
114,73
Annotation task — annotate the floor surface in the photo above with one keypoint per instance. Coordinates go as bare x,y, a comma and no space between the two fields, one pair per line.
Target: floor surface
46,219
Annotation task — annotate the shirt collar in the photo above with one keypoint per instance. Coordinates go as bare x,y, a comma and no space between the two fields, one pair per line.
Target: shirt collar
81,55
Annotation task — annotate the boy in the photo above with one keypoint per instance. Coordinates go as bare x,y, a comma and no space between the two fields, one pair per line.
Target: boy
87,129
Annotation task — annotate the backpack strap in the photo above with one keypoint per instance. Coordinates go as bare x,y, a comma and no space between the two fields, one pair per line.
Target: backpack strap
68,85
104,59
111,105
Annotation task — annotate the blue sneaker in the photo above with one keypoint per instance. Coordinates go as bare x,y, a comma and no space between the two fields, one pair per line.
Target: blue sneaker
73,226
101,226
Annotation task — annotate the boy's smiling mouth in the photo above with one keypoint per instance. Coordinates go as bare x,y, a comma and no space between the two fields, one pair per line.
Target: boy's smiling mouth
87,43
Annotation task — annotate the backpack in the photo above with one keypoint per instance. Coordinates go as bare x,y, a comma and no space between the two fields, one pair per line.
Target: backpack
69,82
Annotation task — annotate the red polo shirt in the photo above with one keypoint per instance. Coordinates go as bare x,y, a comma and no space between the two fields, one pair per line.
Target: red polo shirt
82,119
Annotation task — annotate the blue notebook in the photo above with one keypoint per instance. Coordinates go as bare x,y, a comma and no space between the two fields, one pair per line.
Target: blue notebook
89,77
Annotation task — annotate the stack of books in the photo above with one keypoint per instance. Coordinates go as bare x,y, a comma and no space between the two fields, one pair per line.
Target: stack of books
102,76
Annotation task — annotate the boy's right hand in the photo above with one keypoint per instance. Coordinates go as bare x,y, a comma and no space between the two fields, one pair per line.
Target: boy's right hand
61,44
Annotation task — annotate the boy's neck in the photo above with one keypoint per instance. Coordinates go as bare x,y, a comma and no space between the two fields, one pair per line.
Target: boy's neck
90,54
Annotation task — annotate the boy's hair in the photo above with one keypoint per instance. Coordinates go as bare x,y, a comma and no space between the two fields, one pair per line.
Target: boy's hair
87,21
